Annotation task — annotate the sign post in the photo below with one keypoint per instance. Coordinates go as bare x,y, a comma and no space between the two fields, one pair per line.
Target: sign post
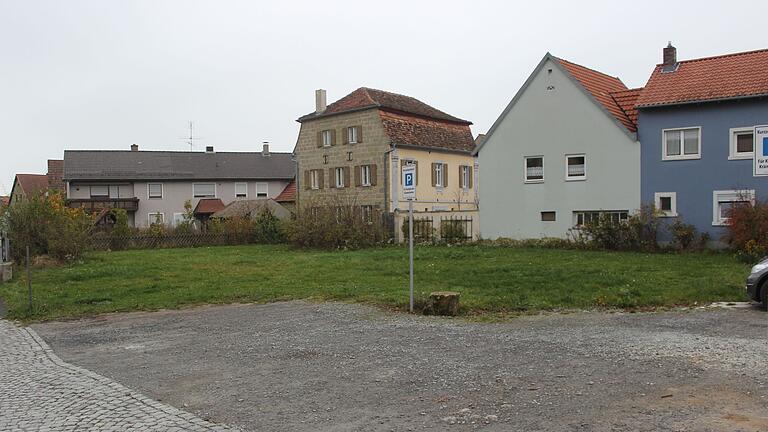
409,193
761,151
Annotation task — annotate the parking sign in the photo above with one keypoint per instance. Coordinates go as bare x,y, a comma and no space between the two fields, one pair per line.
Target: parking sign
409,182
761,151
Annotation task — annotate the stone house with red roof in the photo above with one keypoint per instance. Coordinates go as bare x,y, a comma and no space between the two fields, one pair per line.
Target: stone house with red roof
350,153
697,124
563,152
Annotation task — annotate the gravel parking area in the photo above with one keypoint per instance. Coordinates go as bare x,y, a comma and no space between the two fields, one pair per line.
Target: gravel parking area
314,367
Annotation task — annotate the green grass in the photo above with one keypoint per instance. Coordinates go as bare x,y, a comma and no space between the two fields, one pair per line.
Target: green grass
491,280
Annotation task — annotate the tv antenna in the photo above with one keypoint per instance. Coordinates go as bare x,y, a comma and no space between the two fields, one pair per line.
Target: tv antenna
191,138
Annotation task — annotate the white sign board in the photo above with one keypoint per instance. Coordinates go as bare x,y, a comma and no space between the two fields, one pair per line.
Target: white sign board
761,150
409,182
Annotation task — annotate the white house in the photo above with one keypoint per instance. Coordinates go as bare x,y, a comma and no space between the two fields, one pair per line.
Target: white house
563,151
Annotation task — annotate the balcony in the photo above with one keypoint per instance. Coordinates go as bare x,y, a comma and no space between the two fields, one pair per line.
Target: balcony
96,204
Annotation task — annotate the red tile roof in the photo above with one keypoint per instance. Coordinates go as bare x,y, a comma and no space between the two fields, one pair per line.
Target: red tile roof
288,194
601,86
626,99
364,98
32,183
708,79
408,130
208,206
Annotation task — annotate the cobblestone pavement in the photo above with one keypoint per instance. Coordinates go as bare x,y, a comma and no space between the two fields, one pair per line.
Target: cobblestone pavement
40,392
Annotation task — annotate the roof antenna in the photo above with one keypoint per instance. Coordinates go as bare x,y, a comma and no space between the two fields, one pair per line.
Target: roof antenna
191,138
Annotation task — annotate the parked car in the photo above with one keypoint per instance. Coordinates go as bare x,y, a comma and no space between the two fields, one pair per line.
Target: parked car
757,283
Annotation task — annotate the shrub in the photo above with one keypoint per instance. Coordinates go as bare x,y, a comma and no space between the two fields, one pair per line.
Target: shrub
453,230
268,228
340,225
747,230
684,234
639,232
120,231
423,230
47,226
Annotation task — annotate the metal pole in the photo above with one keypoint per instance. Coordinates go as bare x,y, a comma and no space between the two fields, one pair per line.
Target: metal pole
410,245
29,282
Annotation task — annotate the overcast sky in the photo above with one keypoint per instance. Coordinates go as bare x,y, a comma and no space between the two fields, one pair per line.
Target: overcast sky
104,74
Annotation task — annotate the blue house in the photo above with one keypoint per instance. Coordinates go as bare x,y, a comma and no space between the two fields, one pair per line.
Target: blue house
696,125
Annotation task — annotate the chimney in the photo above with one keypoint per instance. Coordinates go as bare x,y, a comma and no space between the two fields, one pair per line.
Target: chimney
209,149
265,148
134,147
670,58
320,103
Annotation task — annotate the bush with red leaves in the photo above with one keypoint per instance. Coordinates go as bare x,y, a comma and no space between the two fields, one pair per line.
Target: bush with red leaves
748,230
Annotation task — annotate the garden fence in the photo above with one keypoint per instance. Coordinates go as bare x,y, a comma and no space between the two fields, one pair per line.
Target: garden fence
164,241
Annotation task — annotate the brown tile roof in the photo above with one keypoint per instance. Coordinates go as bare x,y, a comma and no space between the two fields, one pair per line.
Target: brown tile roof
288,194
408,130
626,99
208,206
600,86
364,98
32,183
706,79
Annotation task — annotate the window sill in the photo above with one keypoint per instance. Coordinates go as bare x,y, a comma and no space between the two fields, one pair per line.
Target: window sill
576,179
679,158
668,215
720,223
533,181
741,157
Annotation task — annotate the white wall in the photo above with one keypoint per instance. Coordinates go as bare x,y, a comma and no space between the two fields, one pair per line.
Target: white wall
554,123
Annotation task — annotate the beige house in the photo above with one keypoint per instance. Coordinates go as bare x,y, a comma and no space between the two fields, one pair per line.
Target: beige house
153,186
351,153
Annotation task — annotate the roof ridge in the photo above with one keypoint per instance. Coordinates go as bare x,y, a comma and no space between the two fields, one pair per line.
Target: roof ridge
720,56
174,151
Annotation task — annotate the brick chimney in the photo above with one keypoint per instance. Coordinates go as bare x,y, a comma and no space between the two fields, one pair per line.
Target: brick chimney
134,147
320,102
55,174
670,58
265,148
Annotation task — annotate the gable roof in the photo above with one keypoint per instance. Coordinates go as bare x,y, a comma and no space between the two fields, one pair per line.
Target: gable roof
601,87
603,90
730,76
627,100
31,183
409,131
168,165
367,98
208,206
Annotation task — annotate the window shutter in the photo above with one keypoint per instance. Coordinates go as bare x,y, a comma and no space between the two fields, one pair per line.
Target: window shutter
321,178
461,167
345,137
333,137
307,179
434,174
332,177
359,134
471,174
445,175
357,176
373,174
320,139
347,182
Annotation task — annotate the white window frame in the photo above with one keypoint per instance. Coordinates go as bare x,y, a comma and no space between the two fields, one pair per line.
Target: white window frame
352,134
262,188
338,177
365,175
327,137
243,185
215,191
673,203
149,191
525,169
465,174
314,179
439,175
600,214
178,218
734,154
682,155
569,177
152,218
723,196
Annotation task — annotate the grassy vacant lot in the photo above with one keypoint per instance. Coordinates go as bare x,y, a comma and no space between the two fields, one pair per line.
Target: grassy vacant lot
490,279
